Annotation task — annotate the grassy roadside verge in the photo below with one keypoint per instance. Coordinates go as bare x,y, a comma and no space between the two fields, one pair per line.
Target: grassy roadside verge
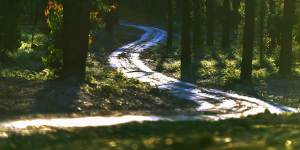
253,133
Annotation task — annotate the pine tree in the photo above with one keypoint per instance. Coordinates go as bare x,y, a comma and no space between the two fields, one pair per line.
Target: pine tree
261,30
210,15
272,27
198,22
170,25
286,53
226,24
248,43
186,53
75,37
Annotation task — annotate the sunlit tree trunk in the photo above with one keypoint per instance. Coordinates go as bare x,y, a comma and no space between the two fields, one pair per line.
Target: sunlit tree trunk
186,53
75,37
286,53
246,70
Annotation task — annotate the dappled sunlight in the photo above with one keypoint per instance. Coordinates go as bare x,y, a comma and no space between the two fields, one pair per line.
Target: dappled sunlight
77,122
224,104
220,105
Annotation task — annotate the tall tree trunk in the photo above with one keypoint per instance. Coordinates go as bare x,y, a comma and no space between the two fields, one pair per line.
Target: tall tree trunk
272,27
261,31
286,53
186,53
246,70
226,24
170,25
210,15
75,37
198,26
236,19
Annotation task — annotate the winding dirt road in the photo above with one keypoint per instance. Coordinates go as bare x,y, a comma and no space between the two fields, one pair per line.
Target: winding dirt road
126,59
225,105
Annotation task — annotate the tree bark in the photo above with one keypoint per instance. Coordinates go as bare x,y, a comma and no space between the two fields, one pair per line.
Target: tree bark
246,70
210,15
286,53
198,25
272,27
261,31
236,4
75,38
186,53
226,25
170,25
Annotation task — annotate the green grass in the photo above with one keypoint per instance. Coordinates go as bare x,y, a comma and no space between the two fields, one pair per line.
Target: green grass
263,132
25,62
28,88
222,71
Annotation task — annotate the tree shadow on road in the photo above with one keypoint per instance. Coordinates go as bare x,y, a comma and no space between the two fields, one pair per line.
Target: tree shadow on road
57,97
30,97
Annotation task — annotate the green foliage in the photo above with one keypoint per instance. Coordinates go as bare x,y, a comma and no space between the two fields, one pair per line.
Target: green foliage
54,14
25,62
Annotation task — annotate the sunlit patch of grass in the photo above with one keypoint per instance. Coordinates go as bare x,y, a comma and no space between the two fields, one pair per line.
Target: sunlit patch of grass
297,69
26,74
264,131
172,68
260,73
231,71
208,68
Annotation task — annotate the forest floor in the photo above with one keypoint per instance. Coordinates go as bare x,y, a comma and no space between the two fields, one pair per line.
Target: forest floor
222,72
262,132
26,88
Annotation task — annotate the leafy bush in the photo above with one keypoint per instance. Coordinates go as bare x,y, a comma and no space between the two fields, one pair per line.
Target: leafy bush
54,14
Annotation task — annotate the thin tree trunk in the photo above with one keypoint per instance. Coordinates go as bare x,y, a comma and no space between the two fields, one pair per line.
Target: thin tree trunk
226,25
210,15
186,53
236,4
272,28
170,25
286,53
198,26
75,37
261,31
246,70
